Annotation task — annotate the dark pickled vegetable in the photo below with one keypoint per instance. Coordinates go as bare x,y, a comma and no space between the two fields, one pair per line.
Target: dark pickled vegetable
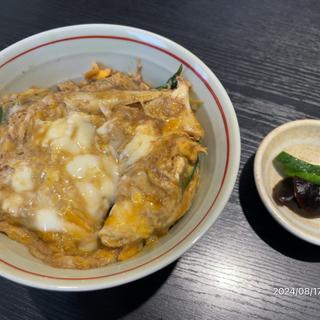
283,192
304,194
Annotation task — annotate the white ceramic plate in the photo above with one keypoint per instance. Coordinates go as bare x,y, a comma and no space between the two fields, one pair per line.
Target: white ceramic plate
300,138
66,53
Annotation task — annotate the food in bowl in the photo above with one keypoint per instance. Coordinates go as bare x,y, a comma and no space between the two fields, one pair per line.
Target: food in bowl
94,171
301,185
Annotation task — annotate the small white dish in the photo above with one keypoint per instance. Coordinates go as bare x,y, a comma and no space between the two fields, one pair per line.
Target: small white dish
66,53
300,138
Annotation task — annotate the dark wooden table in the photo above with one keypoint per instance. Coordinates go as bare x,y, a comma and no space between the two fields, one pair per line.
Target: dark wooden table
266,53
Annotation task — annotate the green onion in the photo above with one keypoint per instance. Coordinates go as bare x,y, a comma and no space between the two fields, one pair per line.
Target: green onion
172,82
185,182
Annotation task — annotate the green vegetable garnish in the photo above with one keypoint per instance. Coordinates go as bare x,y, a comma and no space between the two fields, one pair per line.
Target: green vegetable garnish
172,82
1,115
4,111
293,167
185,182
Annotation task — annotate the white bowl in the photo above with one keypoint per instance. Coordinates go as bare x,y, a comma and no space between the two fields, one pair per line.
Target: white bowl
301,138
66,53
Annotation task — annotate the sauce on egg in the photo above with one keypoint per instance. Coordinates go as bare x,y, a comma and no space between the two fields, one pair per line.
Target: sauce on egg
72,164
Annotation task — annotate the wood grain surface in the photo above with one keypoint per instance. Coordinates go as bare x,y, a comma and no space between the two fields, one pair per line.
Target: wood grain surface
266,53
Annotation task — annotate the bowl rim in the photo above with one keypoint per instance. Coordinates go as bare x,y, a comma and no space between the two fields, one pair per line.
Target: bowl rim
232,137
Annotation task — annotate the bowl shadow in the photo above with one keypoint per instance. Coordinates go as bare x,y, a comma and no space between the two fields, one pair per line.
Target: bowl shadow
264,224
110,304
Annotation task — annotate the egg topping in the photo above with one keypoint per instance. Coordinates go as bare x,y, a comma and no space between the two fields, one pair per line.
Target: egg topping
71,185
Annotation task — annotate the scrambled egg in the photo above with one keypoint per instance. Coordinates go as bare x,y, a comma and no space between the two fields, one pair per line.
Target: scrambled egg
93,171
